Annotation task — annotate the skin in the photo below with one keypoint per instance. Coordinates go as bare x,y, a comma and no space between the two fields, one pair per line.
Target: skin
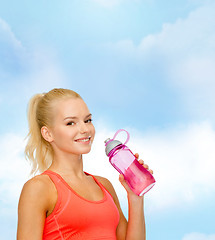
72,123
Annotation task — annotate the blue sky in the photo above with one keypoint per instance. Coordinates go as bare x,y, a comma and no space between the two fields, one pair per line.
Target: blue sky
144,65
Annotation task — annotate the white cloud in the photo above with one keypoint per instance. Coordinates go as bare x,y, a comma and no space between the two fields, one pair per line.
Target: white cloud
198,236
192,37
13,172
184,51
7,36
12,52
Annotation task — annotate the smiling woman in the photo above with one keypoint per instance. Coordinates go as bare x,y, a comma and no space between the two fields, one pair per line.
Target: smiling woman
64,202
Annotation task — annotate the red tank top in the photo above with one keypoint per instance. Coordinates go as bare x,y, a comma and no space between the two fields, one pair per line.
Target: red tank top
77,218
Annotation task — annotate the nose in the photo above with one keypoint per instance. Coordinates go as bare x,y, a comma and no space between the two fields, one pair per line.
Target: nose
83,127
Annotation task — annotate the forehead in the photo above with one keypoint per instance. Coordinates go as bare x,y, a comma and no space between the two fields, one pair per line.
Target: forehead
72,107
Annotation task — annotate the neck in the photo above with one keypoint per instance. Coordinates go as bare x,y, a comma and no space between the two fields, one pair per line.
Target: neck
67,165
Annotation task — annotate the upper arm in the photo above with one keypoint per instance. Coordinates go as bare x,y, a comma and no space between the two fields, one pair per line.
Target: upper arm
32,208
122,226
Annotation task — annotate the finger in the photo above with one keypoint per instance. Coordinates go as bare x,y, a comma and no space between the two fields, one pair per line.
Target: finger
136,155
121,178
146,166
141,162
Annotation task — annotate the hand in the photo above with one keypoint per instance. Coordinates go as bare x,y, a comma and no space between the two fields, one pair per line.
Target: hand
122,179
142,163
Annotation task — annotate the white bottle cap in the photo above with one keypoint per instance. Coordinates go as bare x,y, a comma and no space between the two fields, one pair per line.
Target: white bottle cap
111,145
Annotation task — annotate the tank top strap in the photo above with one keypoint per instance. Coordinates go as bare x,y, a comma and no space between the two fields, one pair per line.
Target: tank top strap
62,190
54,177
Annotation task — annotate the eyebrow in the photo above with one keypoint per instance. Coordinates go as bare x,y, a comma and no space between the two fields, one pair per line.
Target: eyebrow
89,115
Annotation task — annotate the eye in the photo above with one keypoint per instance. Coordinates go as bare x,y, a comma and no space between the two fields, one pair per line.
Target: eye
70,124
88,120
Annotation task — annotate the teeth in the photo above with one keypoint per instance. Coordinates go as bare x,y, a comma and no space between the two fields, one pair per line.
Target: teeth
84,140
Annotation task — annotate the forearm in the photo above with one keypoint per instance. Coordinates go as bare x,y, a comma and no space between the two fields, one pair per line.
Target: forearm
136,220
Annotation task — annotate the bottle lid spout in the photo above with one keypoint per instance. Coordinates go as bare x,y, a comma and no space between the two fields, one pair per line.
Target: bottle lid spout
107,140
110,145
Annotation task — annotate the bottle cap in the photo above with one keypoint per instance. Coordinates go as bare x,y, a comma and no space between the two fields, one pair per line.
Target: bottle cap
111,144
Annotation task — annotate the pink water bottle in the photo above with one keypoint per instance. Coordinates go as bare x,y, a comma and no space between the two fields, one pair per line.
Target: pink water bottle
139,179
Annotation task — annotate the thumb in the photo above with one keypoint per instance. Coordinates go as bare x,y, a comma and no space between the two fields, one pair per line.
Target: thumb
124,183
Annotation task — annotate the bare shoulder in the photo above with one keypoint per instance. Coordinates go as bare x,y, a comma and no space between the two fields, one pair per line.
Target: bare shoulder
37,188
37,184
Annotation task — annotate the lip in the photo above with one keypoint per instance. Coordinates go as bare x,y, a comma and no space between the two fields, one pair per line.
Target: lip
83,140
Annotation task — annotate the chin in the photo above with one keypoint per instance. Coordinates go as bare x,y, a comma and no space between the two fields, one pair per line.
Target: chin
87,151
83,151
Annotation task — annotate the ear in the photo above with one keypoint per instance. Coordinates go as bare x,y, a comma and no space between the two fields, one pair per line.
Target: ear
46,133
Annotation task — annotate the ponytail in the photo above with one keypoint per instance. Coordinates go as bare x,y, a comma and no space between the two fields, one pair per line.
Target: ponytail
38,151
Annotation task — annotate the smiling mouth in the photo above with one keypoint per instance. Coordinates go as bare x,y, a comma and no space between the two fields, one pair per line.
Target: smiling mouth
83,139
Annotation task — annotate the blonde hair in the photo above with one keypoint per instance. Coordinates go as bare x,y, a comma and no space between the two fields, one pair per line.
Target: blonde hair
40,113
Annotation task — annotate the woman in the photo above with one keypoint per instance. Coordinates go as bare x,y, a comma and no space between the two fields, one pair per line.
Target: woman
64,202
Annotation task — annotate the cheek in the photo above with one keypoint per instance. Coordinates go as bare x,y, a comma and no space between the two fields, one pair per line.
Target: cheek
64,133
